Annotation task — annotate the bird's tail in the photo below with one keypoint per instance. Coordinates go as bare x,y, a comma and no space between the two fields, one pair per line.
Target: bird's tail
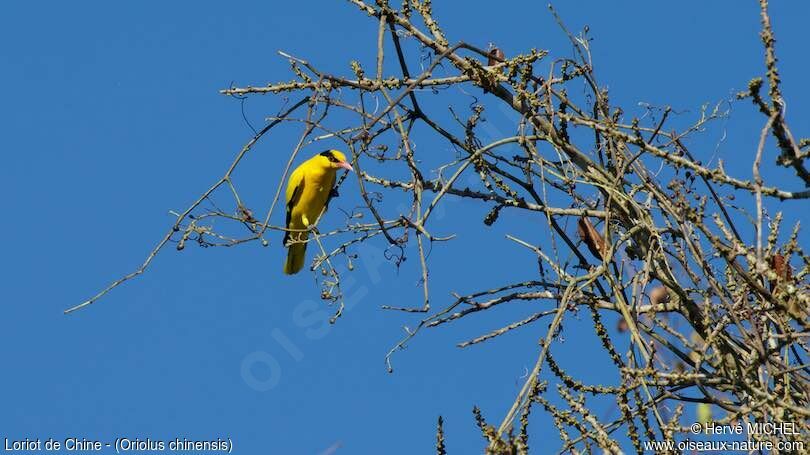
296,254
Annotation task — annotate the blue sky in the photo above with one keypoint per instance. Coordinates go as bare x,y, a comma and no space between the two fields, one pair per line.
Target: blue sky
111,118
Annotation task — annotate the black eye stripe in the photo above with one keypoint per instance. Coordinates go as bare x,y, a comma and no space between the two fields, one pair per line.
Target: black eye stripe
330,156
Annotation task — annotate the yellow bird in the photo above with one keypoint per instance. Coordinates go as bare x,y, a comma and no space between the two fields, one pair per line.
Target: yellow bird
308,192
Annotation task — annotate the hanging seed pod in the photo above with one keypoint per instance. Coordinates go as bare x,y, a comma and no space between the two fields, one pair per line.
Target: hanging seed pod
621,326
495,56
588,234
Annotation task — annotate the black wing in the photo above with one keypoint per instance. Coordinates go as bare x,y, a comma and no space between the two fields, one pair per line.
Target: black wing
290,204
333,192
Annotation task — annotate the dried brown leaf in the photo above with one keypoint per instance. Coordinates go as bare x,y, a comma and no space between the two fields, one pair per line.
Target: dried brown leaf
495,56
781,266
592,238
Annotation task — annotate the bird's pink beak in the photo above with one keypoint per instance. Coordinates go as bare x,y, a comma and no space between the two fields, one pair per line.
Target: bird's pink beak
346,165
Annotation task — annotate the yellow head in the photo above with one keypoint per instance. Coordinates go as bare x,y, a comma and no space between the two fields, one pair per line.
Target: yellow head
334,159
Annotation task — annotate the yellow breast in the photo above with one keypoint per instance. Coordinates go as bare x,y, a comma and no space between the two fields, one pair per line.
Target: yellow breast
317,184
